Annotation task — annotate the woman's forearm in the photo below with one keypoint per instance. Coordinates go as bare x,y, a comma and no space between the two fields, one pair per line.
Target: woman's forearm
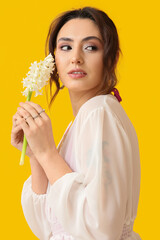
39,178
54,166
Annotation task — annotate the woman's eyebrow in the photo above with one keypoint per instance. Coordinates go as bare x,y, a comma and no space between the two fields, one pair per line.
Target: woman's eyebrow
83,40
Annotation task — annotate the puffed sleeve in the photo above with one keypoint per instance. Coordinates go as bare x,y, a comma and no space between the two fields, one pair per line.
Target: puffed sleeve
91,202
34,209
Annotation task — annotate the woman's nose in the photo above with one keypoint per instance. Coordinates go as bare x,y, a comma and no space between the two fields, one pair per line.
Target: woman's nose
77,58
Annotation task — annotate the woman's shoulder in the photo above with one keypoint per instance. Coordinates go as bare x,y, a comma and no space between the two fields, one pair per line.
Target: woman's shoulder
108,102
109,105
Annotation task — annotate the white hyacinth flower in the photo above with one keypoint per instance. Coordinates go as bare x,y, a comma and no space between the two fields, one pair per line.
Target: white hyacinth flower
38,75
37,78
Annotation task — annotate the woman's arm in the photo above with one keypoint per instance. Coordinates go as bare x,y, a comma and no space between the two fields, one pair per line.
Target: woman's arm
34,207
39,178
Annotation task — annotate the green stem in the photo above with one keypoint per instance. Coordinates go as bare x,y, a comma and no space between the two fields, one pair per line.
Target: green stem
24,138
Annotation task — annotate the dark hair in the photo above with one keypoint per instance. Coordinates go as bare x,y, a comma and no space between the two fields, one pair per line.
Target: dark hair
110,38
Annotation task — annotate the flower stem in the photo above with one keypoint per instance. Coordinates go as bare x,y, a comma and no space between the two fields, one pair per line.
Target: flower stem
24,138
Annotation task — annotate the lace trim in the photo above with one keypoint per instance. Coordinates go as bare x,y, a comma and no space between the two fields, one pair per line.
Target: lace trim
127,231
62,236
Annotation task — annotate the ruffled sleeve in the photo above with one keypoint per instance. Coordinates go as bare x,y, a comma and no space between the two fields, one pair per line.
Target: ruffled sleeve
34,209
91,202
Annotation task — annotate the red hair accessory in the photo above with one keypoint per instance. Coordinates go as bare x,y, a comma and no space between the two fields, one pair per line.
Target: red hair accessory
116,94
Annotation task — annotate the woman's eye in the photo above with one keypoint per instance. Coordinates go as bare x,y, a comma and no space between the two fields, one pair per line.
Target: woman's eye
91,48
65,47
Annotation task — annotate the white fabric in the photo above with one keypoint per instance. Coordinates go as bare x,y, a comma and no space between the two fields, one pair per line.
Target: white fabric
99,200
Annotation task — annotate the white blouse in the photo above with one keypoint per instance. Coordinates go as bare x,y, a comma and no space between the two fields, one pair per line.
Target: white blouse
99,199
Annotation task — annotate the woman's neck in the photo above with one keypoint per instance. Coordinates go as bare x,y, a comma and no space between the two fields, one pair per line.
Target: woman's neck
78,99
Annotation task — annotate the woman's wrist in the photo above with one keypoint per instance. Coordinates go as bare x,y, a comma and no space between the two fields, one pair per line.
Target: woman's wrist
39,178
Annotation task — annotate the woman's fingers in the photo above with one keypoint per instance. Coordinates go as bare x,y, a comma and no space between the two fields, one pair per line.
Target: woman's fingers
16,132
31,112
16,129
19,123
38,109
16,119
25,111
30,120
16,124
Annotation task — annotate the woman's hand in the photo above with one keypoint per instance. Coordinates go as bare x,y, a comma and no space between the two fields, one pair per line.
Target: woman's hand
37,129
17,135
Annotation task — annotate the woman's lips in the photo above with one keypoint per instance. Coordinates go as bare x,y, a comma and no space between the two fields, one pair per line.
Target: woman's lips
77,75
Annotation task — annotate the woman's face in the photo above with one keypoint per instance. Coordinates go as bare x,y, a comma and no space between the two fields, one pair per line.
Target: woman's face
79,55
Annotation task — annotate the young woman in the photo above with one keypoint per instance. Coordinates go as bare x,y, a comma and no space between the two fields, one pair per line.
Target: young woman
88,187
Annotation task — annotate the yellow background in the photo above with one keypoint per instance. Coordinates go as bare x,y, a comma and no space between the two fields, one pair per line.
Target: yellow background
24,27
